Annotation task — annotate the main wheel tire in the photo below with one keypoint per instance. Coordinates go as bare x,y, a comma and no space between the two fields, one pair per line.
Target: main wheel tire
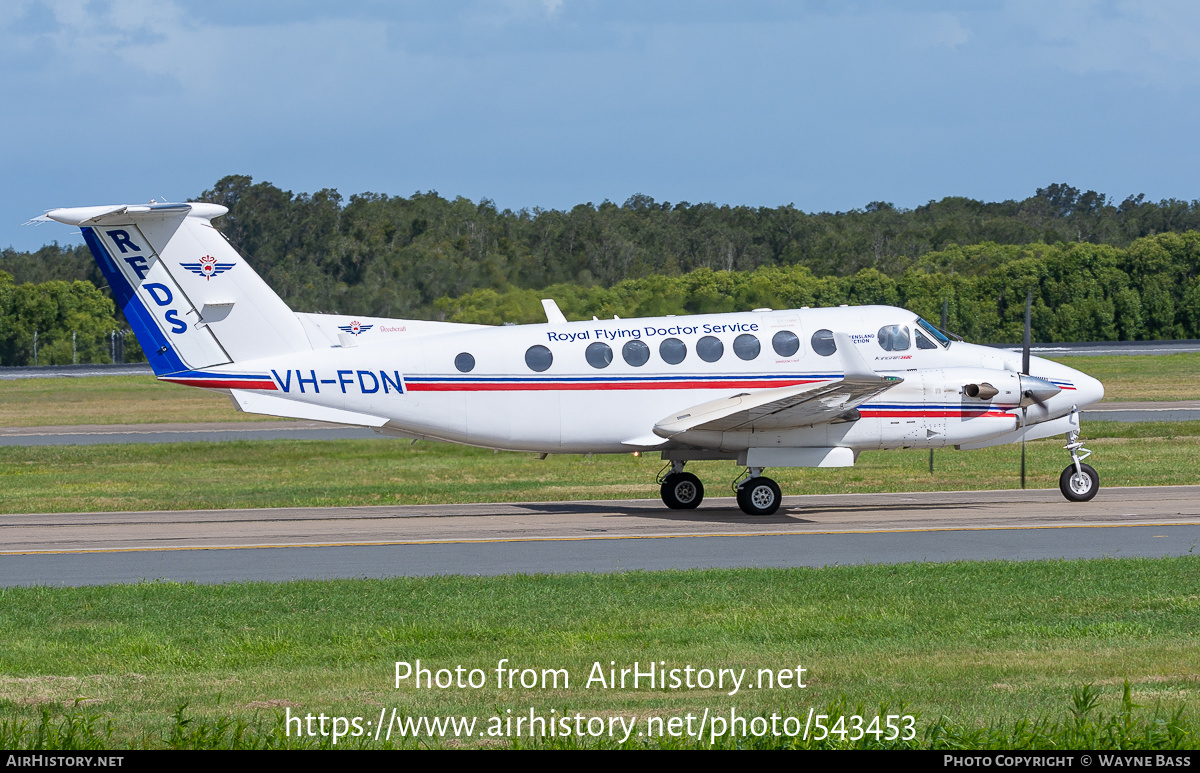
682,491
1079,486
759,496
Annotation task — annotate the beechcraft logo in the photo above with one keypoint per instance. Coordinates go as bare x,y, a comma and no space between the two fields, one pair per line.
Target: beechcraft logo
208,267
355,328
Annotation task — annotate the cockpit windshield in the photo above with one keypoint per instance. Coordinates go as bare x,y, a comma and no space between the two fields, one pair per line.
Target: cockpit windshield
933,331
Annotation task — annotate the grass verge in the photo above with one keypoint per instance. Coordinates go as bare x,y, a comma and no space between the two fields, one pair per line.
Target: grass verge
304,473
1008,655
38,402
1143,376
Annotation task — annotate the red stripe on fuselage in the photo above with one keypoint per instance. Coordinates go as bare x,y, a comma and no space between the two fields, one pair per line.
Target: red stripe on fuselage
215,383
869,413
418,386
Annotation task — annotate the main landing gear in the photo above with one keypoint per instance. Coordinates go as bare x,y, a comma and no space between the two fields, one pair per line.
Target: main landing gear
756,495
1079,482
680,490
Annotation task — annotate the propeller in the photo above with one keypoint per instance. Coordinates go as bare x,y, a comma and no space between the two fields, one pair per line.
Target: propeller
1034,390
1025,374
945,311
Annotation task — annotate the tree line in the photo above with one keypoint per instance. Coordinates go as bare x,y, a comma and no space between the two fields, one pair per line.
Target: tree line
59,323
1082,292
1099,269
398,256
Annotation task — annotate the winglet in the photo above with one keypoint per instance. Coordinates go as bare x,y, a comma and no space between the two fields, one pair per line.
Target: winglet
853,363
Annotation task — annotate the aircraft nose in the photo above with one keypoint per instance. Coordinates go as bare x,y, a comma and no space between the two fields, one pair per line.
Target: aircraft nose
1088,390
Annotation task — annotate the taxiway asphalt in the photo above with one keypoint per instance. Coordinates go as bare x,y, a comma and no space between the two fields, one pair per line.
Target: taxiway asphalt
283,544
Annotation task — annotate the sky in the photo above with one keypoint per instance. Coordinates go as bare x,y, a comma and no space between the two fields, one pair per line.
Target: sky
551,103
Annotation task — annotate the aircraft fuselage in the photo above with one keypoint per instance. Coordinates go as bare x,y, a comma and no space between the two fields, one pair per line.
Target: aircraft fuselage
578,403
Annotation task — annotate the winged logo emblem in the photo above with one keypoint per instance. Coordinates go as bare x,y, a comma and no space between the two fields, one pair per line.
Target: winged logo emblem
355,328
207,267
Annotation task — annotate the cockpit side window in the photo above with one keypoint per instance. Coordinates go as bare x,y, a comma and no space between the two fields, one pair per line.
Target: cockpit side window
933,331
924,343
893,338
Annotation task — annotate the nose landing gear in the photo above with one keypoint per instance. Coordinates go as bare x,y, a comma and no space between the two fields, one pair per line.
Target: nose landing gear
1079,482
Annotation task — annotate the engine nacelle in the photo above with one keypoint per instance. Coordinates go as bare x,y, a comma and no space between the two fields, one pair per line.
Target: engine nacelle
981,386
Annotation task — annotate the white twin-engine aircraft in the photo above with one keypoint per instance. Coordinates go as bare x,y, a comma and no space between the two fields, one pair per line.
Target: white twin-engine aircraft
797,388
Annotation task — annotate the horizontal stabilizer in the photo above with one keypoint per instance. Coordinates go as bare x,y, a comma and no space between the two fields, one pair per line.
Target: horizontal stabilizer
254,402
127,213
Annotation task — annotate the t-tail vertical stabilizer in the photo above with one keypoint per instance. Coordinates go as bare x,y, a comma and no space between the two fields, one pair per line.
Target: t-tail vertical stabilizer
191,299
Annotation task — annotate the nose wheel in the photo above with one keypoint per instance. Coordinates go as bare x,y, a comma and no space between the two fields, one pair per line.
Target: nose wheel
1079,485
1079,482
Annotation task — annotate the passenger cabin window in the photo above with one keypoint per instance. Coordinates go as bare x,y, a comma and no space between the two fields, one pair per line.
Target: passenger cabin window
636,353
893,338
747,347
464,362
710,348
672,351
823,343
599,355
924,343
785,343
538,358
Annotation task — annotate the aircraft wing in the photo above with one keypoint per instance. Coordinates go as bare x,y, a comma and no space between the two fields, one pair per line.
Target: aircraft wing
786,407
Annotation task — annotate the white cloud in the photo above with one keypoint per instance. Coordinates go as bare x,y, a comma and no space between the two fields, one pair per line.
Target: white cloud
1158,43
943,30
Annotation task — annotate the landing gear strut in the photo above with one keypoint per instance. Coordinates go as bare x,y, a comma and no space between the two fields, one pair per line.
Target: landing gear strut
757,495
680,490
1079,482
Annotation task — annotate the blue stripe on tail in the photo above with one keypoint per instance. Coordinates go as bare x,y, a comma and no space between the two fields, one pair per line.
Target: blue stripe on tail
158,349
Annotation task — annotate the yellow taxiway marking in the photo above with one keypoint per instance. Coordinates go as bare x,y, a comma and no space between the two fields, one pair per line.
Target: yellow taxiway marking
486,540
